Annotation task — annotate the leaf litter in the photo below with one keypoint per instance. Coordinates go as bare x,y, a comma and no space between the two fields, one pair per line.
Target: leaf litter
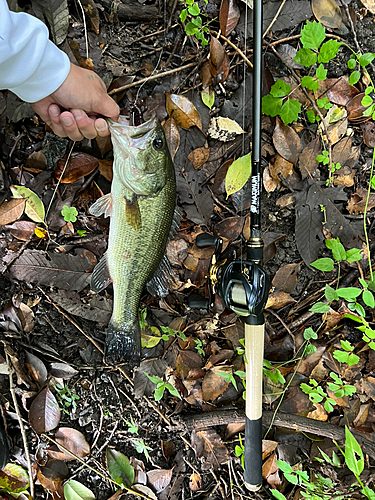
195,360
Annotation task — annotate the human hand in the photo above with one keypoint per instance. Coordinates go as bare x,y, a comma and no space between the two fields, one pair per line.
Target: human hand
83,94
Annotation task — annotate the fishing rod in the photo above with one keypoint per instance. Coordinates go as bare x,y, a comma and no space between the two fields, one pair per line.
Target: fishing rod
243,284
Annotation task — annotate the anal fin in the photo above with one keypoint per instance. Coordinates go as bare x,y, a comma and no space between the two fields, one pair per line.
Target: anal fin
160,284
102,205
100,277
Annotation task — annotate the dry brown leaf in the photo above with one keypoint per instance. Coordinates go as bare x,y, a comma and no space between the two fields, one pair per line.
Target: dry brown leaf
186,361
172,136
104,144
280,168
22,230
11,210
26,316
195,482
233,430
368,129
36,368
228,16
230,228
183,111
270,466
369,387
319,413
209,446
278,299
199,156
286,141
159,479
285,278
79,165
73,440
190,263
357,201
205,75
214,385
370,5
268,447
327,12
286,201
344,177
106,169
52,474
177,251
355,109
219,61
307,161
310,361
36,161
340,151
268,182
343,402
362,415
338,90
337,130
44,414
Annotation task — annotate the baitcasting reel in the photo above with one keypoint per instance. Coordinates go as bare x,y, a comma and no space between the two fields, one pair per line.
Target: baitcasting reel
242,284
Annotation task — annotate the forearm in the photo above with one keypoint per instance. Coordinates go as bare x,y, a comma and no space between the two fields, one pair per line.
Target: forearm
31,66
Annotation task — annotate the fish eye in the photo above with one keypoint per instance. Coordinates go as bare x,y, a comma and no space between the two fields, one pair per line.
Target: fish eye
158,144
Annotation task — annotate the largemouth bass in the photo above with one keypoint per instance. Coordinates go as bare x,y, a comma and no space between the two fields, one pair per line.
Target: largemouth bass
141,206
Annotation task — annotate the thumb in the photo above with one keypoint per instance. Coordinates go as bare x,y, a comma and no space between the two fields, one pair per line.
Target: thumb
107,107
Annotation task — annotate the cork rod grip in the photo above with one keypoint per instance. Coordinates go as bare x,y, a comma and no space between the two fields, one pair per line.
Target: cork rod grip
254,346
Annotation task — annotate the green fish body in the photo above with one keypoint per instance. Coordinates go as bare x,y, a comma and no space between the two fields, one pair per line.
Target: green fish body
141,205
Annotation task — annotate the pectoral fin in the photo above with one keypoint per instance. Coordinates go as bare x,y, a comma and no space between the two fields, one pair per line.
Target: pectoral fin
100,277
102,205
132,213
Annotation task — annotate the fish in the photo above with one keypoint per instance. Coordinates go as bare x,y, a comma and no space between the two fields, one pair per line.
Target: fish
141,206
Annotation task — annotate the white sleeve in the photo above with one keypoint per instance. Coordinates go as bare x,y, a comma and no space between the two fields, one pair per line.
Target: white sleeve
31,66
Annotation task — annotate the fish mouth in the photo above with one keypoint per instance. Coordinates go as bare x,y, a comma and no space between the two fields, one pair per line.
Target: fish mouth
138,136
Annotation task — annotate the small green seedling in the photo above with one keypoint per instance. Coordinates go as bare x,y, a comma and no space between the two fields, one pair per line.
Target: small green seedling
141,447
161,386
81,232
199,344
317,394
240,451
66,398
132,427
69,213
339,388
346,356
194,26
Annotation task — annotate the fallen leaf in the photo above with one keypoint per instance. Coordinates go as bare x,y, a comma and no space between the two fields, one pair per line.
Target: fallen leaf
183,111
307,161
172,136
62,370
186,361
195,483
52,474
77,491
14,478
214,385
199,156
79,165
44,414
268,182
318,413
357,201
229,16
209,446
190,263
238,174
34,207
280,168
22,230
169,449
224,129
340,150
285,278
95,308
339,91
159,479
368,129
119,467
327,13
287,142
370,5
355,109
344,177
268,447
219,61
36,368
270,466
106,169
36,161
11,210
141,488
276,300
230,228
233,430
362,416
73,441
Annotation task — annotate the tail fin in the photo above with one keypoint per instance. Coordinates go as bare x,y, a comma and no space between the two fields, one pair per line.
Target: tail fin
123,344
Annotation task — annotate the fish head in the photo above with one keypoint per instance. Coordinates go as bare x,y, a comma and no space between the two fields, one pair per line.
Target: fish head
142,159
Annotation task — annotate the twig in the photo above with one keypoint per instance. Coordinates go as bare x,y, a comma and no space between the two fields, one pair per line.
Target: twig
282,322
150,78
239,51
275,18
22,427
296,37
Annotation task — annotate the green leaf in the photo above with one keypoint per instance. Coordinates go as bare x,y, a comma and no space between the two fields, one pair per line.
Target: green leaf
315,397
208,96
352,451
323,103
330,293
352,359
309,83
34,207
320,307
81,233
325,264
368,298
349,292
351,63
353,255
194,10
271,105
328,51
148,341
238,451
310,349
338,250
183,15
347,346
14,479
238,173
309,334
69,213
289,111
284,467
159,392
366,100
292,478
305,57
278,495
310,116
328,406
191,29
119,467
321,73
307,389
153,378
366,59
280,89
172,390
312,35
197,21
354,77
73,490
349,390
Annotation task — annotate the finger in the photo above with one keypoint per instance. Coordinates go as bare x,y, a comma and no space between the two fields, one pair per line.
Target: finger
108,107
85,124
55,123
70,126
101,127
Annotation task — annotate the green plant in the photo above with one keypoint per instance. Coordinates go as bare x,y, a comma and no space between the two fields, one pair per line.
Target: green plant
66,398
161,386
272,372
346,356
132,427
194,26
169,333
317,394
229,377
199,344
82,233
141,447
239,450
69,213
339,388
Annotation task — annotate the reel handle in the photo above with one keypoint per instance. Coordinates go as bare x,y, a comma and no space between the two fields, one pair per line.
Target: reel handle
204,240
196,301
